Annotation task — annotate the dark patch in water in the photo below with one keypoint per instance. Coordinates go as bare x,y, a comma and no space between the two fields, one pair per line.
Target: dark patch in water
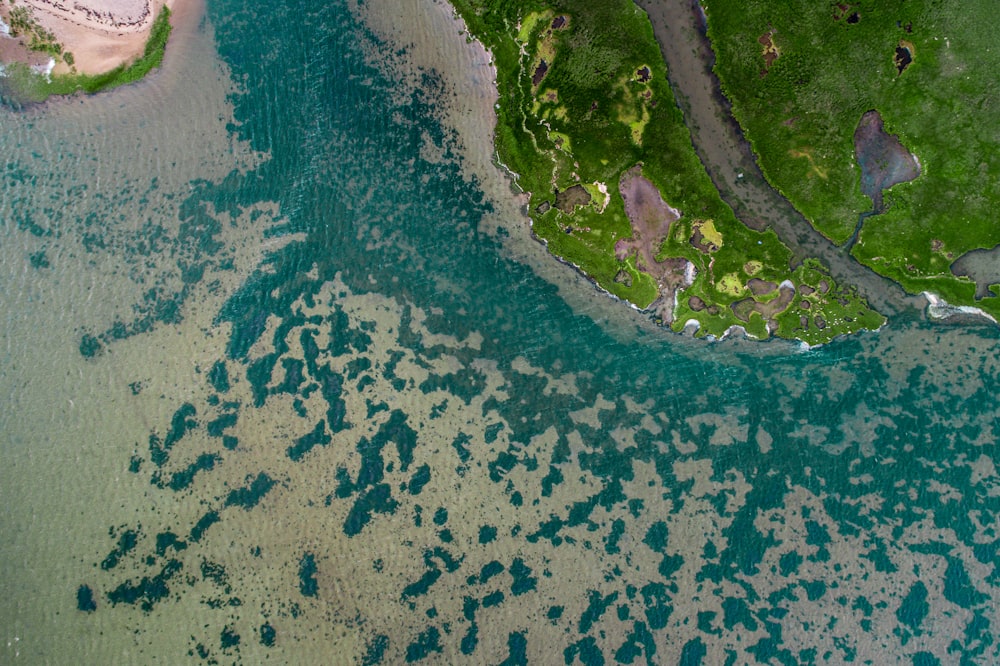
181,422
216,427
229,638
126,543
206,521
428,641
183,479
166,540
267,635
218,376
39,260
419,479
90,346
148,591
308,585
85,599
306,443
249,496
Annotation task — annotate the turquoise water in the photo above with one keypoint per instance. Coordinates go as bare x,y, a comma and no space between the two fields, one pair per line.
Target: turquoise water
338,422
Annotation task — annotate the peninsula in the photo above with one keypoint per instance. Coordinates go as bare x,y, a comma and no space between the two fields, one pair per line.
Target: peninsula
48,47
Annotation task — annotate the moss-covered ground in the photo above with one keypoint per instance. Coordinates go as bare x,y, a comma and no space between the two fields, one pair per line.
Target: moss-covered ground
584,97
928,67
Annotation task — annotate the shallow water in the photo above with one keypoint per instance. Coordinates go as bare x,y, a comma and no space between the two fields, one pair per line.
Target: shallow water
337,407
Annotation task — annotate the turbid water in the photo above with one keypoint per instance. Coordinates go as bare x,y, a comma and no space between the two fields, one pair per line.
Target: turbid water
285,379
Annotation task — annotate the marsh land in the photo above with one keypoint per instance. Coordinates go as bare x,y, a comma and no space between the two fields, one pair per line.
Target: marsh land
589,126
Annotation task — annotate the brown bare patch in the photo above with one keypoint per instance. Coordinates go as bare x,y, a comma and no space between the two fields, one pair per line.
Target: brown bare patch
570,198
760,287
770,50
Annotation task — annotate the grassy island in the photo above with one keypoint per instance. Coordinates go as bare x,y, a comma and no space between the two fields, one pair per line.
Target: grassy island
588,125
805,78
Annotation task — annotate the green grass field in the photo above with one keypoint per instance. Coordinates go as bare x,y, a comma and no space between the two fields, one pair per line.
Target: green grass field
585,97
836,60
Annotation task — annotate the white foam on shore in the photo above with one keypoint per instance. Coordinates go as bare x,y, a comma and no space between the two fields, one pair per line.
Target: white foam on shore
690,273
603,189
46,69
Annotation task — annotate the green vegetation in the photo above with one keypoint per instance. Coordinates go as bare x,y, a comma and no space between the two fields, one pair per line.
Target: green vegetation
23,24
584,99
801,74
30,86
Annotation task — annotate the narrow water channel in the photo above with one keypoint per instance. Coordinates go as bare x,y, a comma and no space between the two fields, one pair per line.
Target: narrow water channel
679,26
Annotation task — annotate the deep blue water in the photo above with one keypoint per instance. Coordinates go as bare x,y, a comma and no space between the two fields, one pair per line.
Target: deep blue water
720,503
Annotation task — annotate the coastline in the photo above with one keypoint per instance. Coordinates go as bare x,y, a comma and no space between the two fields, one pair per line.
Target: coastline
99,35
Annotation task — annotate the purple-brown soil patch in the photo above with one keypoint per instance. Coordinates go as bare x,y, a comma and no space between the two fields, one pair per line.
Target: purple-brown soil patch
539,74
884,161
651,217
